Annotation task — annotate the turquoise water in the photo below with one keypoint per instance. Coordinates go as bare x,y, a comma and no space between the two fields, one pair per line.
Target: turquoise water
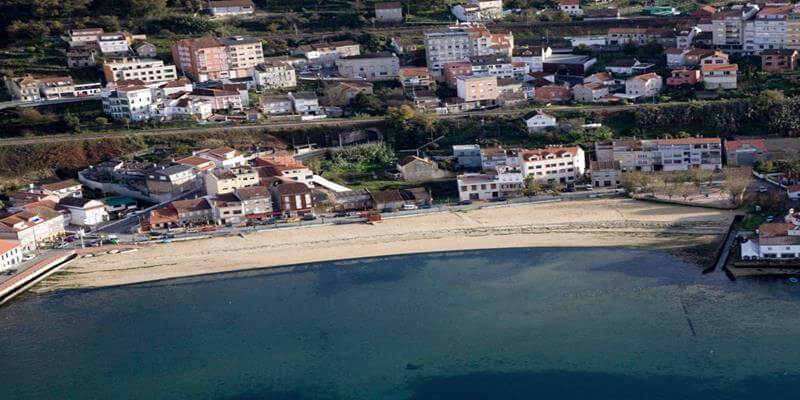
499,324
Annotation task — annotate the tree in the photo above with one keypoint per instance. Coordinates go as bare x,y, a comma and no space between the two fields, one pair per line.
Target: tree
532,187
634,181
368,104
101,120
147,8
736,182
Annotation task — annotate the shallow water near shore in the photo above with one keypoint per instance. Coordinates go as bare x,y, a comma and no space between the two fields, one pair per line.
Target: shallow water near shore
599,323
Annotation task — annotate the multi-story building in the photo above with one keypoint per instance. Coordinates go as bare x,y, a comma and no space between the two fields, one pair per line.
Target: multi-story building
114,43
662,154
646,85
779,60
496,65
276,105
285,168
243,204
202,59
680,77
130,100
453,70
721,76
416,78
24,88
389,11
489,185
570,7
223,157
292,199
792,40
306,103
227,181
478,10
376,66
10,254
540,121
326,54
56,87
467,155
32,227
84,37
244,53
745,151
274,75
767,30
84,212
477,88
146,70
589,92
220,99
222,8
623,36
62,189
605,173
459,42
500,159
168,181
554,164
534,56
82,57
193,211
728,26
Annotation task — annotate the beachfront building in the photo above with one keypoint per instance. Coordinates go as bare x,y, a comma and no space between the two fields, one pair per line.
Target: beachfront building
605,173
292,199
165,182
418,169
10,254
84,212
489,185
662,154
285,168
745,151
554,164
32,227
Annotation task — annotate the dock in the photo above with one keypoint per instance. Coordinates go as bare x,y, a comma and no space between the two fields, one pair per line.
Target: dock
32,275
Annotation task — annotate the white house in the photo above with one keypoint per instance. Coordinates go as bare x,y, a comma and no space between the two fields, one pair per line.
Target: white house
645,85
719,76
487,186
231,7
540,121
306,103
571,7
389,11
223,157
554,164
84,212
10,254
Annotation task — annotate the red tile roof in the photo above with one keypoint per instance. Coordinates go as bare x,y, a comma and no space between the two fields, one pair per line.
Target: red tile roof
8,245
733,145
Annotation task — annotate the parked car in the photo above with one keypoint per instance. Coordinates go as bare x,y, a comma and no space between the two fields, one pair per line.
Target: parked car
28,257
410,207
309,217
465,202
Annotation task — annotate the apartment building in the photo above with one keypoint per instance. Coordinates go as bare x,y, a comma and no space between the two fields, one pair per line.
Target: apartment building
767,30
292,199
167,181
680,77
389,11
32,227
477,88
244,53
662,154
24,88
459,42
646,85
129,100
489,185
554,164
84,212
202,59
224,8
467,155
227,181
779,60
10,254
496,65
728,26
146,70
719,76
792,40
306,103
453,70
83,37
285,168
274,75
375,66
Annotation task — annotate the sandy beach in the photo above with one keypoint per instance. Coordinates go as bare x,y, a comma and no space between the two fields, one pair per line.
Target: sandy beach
585,223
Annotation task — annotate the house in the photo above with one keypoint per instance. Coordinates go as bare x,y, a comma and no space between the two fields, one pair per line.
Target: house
166,182
343,92
646,85
227,181
694,56
676,57
679,77
326,54
534,56
274,75
776,241
663,154
285,168
605,173
779,60
618,37
160,219
10,254
489,185
553,93
599,77
250,203
292,199
451,71
417,169
84,212
478,10
193,211
416,78
554,164
628,67
589,92
406,45
120,206
719,76
220,99
596,14
223,8
570,7
82,57
467,155
477,88
199,164
389,12
145,70
745,151
540,121
715,58
83,37
373,66
63,189
114,43
32,227
276,105
387,200
144,49
306,103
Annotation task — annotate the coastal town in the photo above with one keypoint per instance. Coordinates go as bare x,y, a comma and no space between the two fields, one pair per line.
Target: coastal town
240,123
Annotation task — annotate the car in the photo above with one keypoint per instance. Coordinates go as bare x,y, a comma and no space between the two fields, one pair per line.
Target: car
499,199
208,229
762,189
340,215
309,217
425,207
465,202
291,220
28,257
11,271
770,218
410,207
588,187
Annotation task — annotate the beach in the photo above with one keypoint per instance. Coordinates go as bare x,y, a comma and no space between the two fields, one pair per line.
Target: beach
582,223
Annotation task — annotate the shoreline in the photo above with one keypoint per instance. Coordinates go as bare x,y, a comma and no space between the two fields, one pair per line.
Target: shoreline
579,223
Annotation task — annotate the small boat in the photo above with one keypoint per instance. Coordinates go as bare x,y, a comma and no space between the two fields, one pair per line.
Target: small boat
793,280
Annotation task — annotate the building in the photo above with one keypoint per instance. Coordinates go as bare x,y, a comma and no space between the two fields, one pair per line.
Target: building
416,78
82,57
224,8
775,241
276,105
25,88
453,70
220,99
145,70
306,103
459,42
417,169
243,54
540,121
223,157
553,93
728,26
32,227
497,65
389,12
387,200
292,199
478,10
144,49
554,164
211,58
619,37
10,254
719,76
768,28
285,168
568,65
597,14
605,173
745,151
628,67
84,212
344,91
199,164
250,203
662,154
570,7
326,54
127,100
62,189
646,85
375,66
274,75
680,77
467,156
166,182
83,37
489,186
779,60
190,212
114,43
477,88
534,56
676,56
227,181
589,92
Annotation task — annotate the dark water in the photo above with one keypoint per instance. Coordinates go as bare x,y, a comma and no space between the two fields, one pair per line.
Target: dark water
501,324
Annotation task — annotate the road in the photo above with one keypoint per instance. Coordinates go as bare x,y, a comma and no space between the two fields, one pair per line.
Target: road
288,125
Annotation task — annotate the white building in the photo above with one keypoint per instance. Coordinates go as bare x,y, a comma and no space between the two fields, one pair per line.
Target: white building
32,227
225,8
467,155
389,11
646,85
274,75
146,70
223,157
570,7
113,43
128,101
478,10
376,66
540,121
662,154
554,164
534,56
306,103
488,186
326,54
84,212
719,76
10,254
460,42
